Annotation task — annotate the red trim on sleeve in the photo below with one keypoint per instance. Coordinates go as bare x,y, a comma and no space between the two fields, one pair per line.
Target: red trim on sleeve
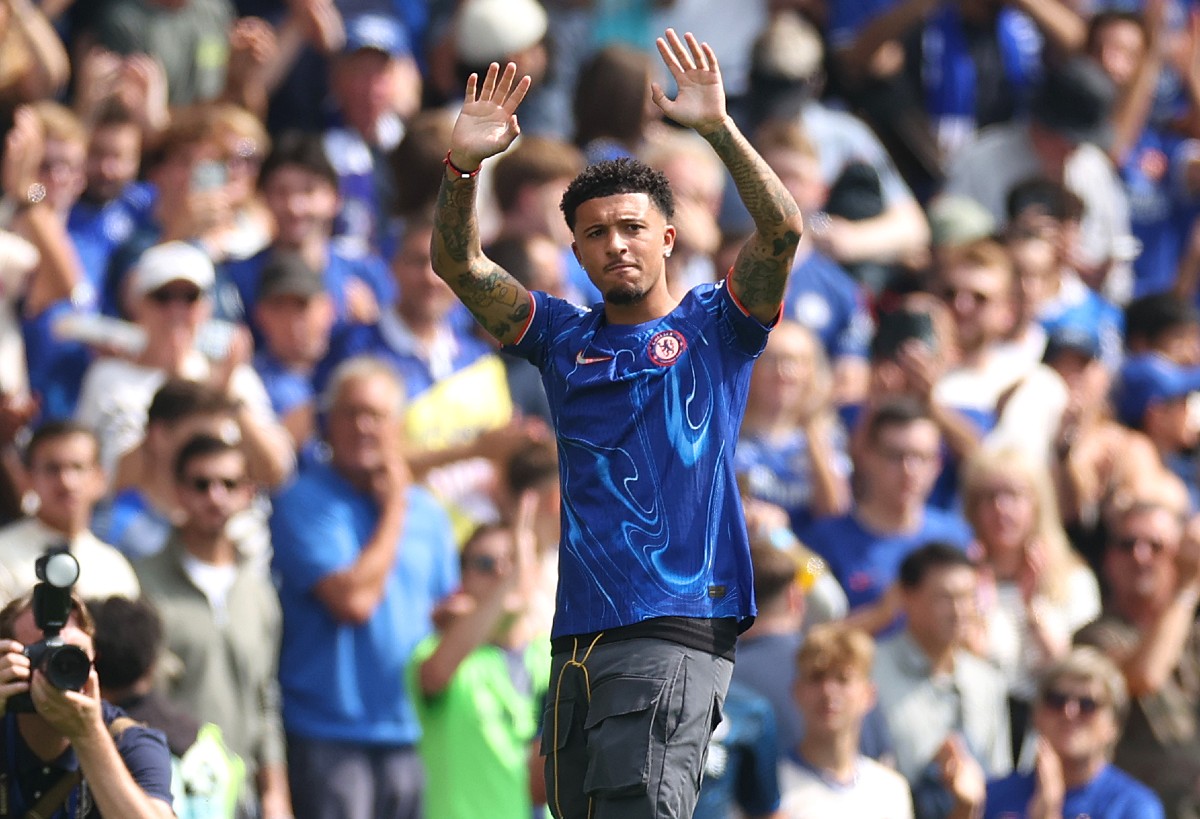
742,307
528,321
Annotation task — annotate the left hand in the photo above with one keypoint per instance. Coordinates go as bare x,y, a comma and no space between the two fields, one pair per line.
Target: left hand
700,101
74,714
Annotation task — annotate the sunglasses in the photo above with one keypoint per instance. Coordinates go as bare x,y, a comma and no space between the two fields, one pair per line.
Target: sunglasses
484,564
1128,544
190,296
1058,701
204,485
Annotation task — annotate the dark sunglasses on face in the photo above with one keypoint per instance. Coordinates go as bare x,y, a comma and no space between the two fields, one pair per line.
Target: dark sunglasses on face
1128,544
167,296
484,564
203,485
1058,701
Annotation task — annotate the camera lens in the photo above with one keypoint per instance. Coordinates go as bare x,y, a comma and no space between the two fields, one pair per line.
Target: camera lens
67,667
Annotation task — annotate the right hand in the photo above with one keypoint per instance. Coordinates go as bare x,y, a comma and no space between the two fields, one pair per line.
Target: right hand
487,125
391,480
14,672
1050,789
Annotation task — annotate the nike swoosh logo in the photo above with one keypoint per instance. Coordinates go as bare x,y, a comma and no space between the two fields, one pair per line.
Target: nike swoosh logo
581,359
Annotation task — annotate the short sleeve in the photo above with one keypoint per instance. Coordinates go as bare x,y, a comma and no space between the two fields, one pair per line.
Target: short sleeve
742,331
146,756
548,317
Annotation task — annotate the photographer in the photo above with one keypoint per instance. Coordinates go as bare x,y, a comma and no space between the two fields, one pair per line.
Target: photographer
74,754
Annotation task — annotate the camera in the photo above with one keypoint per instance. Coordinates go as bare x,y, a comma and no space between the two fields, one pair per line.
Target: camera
66,666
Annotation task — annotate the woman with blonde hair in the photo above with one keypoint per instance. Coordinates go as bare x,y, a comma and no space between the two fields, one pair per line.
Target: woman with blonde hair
1035,590
792,450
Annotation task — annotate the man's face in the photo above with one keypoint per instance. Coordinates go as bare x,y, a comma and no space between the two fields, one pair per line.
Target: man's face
903,462
833,701
1077,719
26,632
621,241
113,157
364,425
363,84
1120,47
981,301
1139,561
942,607
173,313
424,297
65,475
212,489
296,328
303,204
1037,264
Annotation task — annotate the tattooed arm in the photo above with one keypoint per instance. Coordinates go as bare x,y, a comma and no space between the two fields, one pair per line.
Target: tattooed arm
486,126
761,270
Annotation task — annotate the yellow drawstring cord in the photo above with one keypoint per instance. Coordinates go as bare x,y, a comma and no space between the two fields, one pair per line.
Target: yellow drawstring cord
587,688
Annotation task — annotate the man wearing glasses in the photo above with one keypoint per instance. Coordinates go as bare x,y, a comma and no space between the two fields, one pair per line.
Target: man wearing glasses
221,619
1148,629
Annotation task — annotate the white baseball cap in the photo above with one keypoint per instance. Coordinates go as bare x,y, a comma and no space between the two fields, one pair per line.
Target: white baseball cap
171,262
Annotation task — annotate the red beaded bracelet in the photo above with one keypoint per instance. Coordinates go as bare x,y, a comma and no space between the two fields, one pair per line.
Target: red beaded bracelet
461,173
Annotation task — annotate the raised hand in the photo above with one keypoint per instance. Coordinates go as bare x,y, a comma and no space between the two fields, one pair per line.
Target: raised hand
24,147
700,101
487,124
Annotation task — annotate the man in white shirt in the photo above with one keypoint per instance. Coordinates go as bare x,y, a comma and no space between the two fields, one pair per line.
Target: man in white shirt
934,693
63,469
825,775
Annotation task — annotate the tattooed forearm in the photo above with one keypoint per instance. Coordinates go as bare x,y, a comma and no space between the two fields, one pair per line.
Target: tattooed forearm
772,208
497,300
494,297
760,273
456,233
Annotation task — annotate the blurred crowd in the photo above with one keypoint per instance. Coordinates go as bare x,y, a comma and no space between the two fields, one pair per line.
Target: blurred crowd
317,509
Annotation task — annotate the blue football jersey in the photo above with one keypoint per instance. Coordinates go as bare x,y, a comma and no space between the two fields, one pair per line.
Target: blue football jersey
647,419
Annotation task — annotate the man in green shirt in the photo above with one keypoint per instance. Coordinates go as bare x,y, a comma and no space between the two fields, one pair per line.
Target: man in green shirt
479,682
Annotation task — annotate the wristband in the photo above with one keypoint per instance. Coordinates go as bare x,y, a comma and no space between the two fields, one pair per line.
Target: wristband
459,172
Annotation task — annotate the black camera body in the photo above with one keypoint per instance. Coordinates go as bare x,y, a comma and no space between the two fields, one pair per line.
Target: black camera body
66,666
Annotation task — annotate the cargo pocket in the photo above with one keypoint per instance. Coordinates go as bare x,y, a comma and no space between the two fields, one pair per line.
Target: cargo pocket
622,726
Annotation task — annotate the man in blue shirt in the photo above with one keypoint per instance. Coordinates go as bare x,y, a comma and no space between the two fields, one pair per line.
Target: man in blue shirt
361,556
896,464
646,394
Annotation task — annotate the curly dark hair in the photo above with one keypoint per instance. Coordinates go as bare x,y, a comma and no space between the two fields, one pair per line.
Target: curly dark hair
616,176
